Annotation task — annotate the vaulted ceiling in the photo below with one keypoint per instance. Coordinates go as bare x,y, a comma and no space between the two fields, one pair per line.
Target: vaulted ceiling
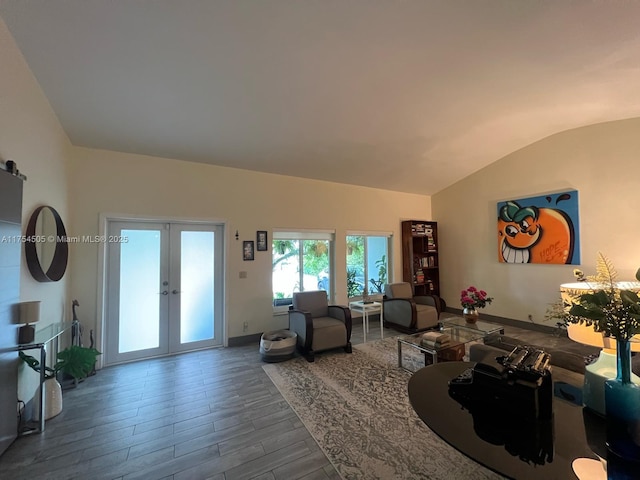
408,95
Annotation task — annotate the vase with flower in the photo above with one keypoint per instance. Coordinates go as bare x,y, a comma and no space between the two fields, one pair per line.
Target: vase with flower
613,308
473,299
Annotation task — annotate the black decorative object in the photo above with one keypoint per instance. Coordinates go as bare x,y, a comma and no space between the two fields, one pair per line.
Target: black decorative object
26,334
523,387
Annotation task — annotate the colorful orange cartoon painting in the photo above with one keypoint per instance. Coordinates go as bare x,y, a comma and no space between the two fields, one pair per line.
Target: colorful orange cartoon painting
539,229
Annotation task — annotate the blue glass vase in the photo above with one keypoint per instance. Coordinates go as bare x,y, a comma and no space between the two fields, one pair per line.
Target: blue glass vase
622,404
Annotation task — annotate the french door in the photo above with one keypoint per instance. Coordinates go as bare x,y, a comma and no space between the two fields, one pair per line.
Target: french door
164,289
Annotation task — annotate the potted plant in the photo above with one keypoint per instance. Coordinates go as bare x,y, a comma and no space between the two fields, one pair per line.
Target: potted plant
471,300
613,308
75,361
382,274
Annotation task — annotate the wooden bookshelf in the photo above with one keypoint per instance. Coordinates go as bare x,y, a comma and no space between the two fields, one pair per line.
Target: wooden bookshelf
420,266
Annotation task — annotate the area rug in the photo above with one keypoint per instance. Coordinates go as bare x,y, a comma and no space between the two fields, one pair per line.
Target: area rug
357,409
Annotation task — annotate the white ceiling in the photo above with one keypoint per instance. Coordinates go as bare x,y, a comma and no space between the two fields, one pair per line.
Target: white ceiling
401,95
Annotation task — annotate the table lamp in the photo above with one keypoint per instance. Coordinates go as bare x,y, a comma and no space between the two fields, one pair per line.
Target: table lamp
606,365
28,313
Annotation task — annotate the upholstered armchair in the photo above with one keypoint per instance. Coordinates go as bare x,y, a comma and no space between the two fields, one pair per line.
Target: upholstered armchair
409,314
319,326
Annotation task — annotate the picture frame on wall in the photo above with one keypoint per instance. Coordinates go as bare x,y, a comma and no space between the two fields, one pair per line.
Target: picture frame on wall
543,229
261,241
247,250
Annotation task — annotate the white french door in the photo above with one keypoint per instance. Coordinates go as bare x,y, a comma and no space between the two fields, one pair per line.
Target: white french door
164,289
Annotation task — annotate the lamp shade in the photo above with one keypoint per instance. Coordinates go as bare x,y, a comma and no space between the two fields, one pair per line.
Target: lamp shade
29,312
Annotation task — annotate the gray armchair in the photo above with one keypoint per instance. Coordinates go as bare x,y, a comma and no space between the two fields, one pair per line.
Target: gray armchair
409,314
319,326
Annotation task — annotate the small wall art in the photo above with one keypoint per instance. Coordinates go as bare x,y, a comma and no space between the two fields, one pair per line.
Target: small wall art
541,229
247,250
261,241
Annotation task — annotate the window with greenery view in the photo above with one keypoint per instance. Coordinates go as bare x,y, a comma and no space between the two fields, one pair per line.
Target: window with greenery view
300,264
367,264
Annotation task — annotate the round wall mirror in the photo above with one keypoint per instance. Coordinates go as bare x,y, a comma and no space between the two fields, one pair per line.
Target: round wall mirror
46,250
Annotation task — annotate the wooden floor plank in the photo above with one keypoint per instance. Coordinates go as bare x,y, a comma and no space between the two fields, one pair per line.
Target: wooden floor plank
211,414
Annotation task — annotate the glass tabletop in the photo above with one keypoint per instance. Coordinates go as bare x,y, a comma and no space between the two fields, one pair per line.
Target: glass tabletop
511,446
50,332
482,327
457,336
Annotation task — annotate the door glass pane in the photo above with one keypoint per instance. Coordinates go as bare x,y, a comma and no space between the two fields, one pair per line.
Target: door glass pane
197,283
139,291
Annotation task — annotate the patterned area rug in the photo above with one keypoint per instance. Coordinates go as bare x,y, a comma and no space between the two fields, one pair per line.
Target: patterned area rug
357,409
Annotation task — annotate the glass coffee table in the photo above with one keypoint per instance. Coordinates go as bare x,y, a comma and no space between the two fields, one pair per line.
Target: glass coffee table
454,350
487,328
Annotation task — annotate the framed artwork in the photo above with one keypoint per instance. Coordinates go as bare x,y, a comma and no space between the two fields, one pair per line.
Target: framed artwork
247,250
261,241
542,229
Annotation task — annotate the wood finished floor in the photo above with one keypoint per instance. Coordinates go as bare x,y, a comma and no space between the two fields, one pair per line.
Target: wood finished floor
210,414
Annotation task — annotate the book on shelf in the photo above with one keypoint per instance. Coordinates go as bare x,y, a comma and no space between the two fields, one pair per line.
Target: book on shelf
418,229
428,262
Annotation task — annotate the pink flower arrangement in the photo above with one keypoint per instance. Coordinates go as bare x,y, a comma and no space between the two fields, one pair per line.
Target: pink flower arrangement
474,298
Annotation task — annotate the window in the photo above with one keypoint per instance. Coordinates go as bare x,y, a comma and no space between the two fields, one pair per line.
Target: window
301,261
367,263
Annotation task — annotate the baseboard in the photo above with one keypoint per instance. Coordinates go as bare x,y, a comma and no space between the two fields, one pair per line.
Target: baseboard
536,327
245,340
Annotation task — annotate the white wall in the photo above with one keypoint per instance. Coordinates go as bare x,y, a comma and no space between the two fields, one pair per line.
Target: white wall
31,135
105,182
600,161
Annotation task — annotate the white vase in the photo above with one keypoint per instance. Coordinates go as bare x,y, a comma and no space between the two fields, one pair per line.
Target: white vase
52,399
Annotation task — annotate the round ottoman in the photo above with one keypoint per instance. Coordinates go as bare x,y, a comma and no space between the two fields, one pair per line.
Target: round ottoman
278,345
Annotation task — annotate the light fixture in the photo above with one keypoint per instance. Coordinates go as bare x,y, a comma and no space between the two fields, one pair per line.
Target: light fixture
606,365
29,312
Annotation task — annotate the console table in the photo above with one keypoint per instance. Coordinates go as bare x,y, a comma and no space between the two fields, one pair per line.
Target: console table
49,333
575,432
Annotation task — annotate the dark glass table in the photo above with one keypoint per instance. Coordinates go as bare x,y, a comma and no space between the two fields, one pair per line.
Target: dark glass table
574,432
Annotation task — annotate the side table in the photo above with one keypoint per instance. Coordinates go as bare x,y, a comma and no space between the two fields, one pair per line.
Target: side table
367,309
49,333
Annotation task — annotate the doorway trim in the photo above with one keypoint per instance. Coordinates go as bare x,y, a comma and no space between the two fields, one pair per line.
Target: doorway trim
101,293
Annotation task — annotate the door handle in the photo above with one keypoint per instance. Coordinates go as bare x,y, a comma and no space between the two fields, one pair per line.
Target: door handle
176,291
164,292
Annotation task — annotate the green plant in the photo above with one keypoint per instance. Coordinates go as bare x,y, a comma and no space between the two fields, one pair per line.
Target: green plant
75,361
382,274
353,289
607,306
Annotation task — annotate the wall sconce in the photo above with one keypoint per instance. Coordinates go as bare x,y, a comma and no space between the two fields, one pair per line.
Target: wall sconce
237,235
28,312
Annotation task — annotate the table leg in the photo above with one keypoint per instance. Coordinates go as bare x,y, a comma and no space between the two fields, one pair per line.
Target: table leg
364,324
43,363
